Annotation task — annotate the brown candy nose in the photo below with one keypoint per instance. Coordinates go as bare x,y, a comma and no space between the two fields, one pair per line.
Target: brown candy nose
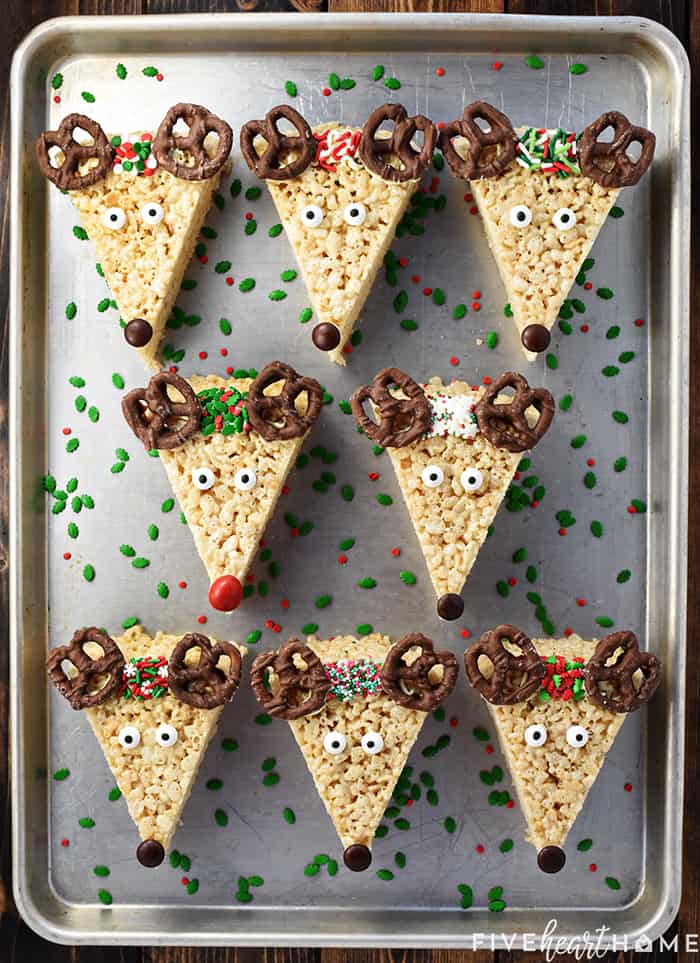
536,337
357,857
150,853
450,606
138,332
551,859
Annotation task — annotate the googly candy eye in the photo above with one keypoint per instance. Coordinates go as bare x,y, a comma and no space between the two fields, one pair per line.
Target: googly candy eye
203,479
129,737
372,743
245,479
355,214
114,218
311,215
520,215
432,476
334,743
166,735
472,480
576,736
536,735
152,213
564,219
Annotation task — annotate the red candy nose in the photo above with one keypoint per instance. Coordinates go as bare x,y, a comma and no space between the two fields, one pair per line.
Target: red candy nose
225,593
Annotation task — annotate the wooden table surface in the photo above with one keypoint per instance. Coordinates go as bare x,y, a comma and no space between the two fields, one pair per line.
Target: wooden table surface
17,942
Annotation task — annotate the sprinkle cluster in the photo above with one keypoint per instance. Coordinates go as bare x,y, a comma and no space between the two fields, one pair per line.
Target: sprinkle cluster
134,157
544,150
145,678
353,678
224,411
335,147
452,415
563,679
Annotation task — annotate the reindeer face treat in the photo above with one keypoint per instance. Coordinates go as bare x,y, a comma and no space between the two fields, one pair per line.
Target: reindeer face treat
142,201
558,705
356,707
543,196
154,705
455,450
340,193
227,447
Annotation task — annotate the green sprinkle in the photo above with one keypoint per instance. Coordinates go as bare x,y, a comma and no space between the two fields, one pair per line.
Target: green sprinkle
322,601
534,62
140,562
247,284
73,531
626,357
507,311
289,815
346,544
251,227
192,886
367,583
584,845
150,71
71,310
596,529
277,295
497,905
578,441
552,362
167,505
605,622
385,874
639,506
378,72
288,275
364,629
610,370
616,212
311,628
214,784
438,296
506,845
347,83
578,69
174,859
381,832
130,623
88,97
519,555
100,870
120,70
467,896
624,576
491,340
400,860
57,81
162,590
620,417
86,822
347,493
620,464
61,774
311,869
392,83
89,573
590,480
80,403
80,233
531,574
605,293
385,499
185,863
400,302
612,332
450,824
459,311
104,896
221,817
334,81
408,578
290,88
503,589
612,883
409,325
114,794
229,745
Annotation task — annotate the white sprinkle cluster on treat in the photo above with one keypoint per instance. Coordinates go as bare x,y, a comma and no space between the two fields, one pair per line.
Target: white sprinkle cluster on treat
336,146
452,415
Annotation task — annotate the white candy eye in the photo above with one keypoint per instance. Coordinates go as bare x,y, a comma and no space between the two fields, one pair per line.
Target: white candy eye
129,737
355,214
245,479
520,215
152,213
372,743
432,476
311,215
472,480
564,219
536,735
576,736
334,743
203,479
166,735
114,218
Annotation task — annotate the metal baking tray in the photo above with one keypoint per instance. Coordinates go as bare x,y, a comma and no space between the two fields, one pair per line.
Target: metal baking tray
238,65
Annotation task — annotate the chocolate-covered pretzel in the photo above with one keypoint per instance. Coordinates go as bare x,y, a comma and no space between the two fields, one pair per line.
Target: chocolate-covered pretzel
156,419
514,678
267,165
373,149
203,684
76,688
410,685
275,417
200,122
617,169
505,425
401,420
299,691
67,176
499,142
611,685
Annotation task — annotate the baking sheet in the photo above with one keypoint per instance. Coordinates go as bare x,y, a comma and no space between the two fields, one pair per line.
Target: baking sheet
634,833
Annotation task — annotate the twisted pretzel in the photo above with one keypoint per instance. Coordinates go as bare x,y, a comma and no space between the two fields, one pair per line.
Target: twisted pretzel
76,688
200,122
514,677
618,168
401,420
275,417
410,685
506,425
203,684
164,427
500,134
373,149
286,702
620,694
67,177
266,165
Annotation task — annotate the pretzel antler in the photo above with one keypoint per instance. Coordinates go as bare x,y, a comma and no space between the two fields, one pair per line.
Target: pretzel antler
505,425
201,122
618,692
299,691
203,684
401,420
275,417
76,687
157,420
67,176
267,164
500,136
617,168
411,685
374,149
514,677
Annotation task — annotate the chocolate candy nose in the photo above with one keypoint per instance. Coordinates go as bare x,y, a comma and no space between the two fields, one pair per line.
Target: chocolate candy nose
138,333
325,336
150,853
536,337
551,859
357,857
450,606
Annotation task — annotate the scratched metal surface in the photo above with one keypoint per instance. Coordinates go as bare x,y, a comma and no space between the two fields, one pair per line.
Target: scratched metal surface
451,255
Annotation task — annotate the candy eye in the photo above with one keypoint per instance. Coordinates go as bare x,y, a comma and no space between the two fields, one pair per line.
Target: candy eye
334,743
129,737
166,735
152,213
564,219
114,218
245,479
520,215
355,214
472,480
372,743
203,479
432,476
536,735
311,215
576,736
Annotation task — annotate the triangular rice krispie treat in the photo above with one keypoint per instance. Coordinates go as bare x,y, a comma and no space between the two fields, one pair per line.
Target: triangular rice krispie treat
455,449
227,447
340,193
557,705
154,705
142,202
356,707
543,196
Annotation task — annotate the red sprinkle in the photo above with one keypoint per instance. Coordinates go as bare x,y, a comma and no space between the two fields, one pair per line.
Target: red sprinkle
534,504
66,431
229,370
584,328
182,585
427,292
588,286
249,216
223,352
454,722
479,848
512,581
326,91
159,76
229,281
580,602
57,98
468,197
590,462
473,210
454,361
440,71
496,65
347,348
593,867
67,555
639,322
285,489
342,559
201,619
465,633
409,802
487,380
173,369
202,355
568,631
489,750
440,125
65,842
510,804
562,531
415,278
373,475
476,295
294,532
284,603
403,261
476,306
396,552
203,258
184,881
628,787
631,509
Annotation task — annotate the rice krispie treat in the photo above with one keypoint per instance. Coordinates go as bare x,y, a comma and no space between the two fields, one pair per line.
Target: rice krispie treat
154,705
340,193
227,446
557,705
455,449
543,196
356,707
142,201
